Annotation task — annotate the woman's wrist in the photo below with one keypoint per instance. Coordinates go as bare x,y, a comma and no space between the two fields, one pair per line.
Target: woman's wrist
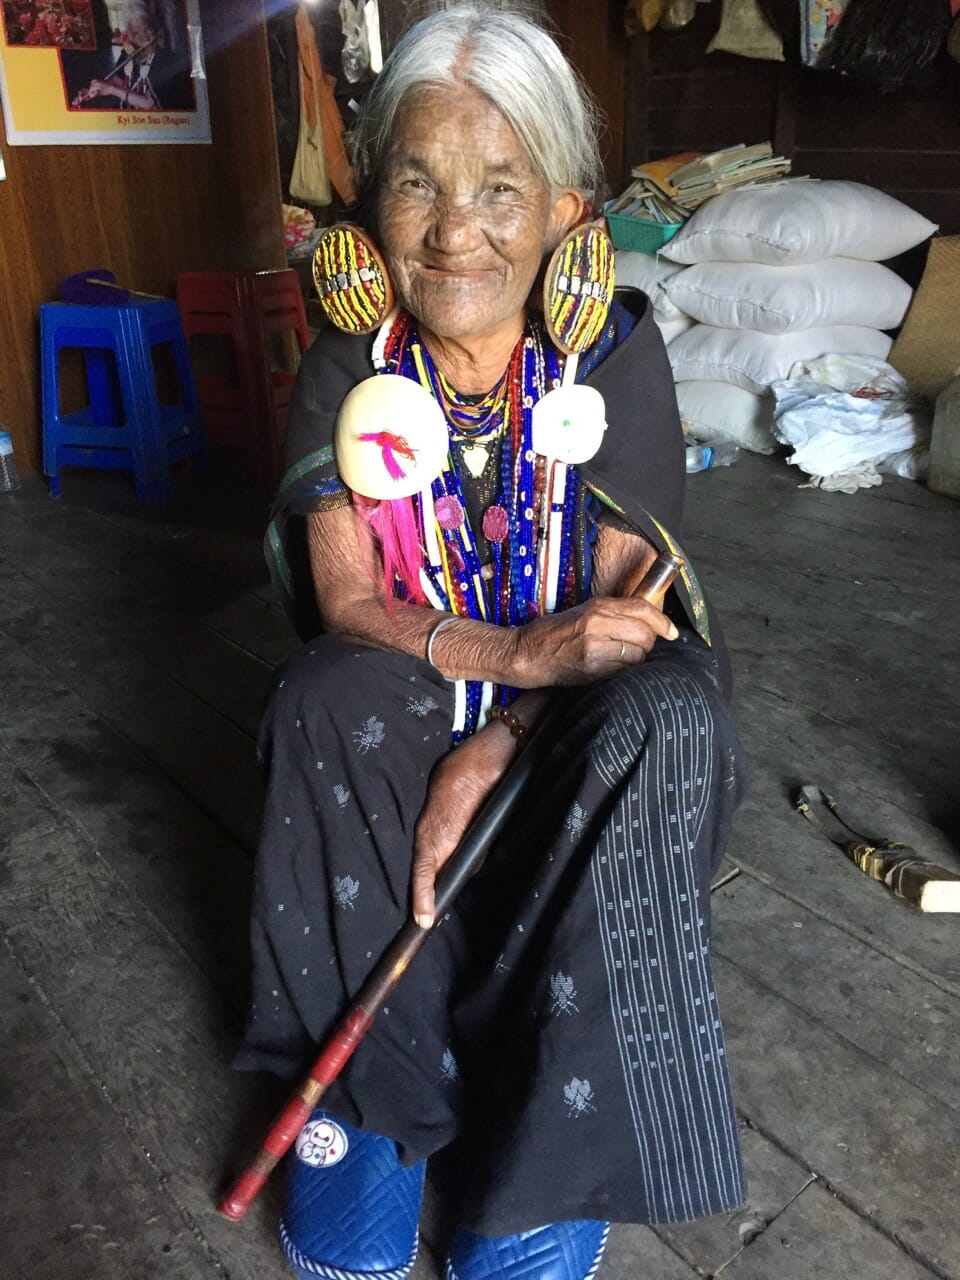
527,709
432,637
469,649
517,666
512,722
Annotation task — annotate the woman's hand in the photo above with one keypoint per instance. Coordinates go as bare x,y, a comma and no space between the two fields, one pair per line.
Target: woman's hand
459,785
593,640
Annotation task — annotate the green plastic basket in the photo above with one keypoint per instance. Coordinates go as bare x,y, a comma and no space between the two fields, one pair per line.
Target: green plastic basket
638,234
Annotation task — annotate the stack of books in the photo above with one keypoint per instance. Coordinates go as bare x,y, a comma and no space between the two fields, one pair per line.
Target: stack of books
668,191
651,196
664,193
698,180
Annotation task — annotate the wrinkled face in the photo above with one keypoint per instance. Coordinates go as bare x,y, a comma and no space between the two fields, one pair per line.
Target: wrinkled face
465,217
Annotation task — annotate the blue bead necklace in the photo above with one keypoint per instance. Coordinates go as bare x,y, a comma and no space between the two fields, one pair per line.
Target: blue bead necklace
534,370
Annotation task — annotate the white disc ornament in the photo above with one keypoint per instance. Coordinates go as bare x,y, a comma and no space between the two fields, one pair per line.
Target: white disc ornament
568,424
390,438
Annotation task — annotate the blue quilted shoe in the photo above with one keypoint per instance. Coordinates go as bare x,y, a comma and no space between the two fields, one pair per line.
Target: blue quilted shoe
562,1251
351,1208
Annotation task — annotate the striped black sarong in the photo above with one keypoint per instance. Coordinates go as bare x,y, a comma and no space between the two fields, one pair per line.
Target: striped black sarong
559,1033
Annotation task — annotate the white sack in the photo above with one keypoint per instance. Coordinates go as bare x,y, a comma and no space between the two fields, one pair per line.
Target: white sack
798,220
755,360
749,295
718,411
645,272
670,329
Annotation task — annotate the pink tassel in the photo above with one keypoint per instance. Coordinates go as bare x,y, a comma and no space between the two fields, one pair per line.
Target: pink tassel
394,521
390,444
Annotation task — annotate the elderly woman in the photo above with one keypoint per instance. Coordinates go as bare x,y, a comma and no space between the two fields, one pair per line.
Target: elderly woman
561,1029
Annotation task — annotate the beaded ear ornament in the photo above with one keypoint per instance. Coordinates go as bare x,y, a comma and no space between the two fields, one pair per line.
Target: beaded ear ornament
578,288
351,279
569,422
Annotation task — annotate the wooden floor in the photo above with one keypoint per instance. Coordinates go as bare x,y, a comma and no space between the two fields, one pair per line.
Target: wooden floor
135,650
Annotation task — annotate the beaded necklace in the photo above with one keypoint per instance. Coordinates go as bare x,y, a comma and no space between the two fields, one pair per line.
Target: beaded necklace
531,525
473,417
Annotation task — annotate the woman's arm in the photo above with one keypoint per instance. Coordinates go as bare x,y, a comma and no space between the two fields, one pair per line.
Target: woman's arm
578,646
464,778
348,578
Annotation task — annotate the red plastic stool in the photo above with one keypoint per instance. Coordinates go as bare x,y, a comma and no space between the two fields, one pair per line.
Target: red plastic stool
248,405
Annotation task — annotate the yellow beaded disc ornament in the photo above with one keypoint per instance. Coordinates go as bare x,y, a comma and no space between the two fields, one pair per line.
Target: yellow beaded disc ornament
351,279
578,288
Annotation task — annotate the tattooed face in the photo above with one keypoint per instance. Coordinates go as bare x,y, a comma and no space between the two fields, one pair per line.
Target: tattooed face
465,216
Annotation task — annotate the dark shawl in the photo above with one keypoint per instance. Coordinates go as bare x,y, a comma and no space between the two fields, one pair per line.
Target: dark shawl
638,473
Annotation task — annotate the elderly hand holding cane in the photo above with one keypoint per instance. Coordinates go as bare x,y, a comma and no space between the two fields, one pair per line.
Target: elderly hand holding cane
484,459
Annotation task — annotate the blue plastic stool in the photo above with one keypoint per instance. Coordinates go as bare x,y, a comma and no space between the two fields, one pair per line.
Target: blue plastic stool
124,425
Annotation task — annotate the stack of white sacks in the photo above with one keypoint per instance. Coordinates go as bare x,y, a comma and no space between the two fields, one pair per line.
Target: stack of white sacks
764,277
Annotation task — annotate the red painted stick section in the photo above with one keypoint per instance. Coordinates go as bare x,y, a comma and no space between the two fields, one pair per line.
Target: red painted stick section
289,1122
283,1132
340,1046
243,1193
276,1144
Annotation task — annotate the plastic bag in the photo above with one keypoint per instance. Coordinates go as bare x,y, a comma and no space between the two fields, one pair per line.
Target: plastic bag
299,227
890,45
819,24
642,15
911,464
843,415
677,14
745,31
355,58
863,476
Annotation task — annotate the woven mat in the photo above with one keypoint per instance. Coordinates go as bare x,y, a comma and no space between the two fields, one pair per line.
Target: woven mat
927,352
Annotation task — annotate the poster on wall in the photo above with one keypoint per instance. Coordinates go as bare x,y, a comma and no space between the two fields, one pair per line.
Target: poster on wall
102,71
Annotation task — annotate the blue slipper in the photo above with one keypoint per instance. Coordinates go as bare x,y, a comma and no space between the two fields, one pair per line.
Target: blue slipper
351,1208
562,1251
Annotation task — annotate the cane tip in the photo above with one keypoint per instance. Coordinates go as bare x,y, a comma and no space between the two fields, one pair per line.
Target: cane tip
234,1204
232,1209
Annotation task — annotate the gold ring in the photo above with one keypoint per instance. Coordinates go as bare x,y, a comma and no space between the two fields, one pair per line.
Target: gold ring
623,649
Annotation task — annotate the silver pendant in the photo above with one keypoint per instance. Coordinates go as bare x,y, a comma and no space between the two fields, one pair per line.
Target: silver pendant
475,457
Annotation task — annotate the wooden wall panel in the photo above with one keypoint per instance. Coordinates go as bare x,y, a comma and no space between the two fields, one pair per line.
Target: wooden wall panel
592,37
706,128
146,212
908,144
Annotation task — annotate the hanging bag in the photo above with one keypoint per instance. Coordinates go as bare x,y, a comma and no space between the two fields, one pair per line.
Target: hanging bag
819,24
890,43
745,31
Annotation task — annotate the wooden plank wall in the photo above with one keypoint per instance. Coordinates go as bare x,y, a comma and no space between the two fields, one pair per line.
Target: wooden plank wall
592,37
146,212
680,98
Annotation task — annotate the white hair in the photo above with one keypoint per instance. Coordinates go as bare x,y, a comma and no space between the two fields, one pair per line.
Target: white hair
510,59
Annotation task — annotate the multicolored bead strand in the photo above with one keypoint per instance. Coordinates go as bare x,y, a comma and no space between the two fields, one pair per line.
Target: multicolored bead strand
519,528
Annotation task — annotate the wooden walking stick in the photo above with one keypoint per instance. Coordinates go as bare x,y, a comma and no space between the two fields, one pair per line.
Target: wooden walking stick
392,965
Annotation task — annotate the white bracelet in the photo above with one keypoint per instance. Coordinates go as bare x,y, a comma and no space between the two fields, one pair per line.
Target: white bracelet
444,622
